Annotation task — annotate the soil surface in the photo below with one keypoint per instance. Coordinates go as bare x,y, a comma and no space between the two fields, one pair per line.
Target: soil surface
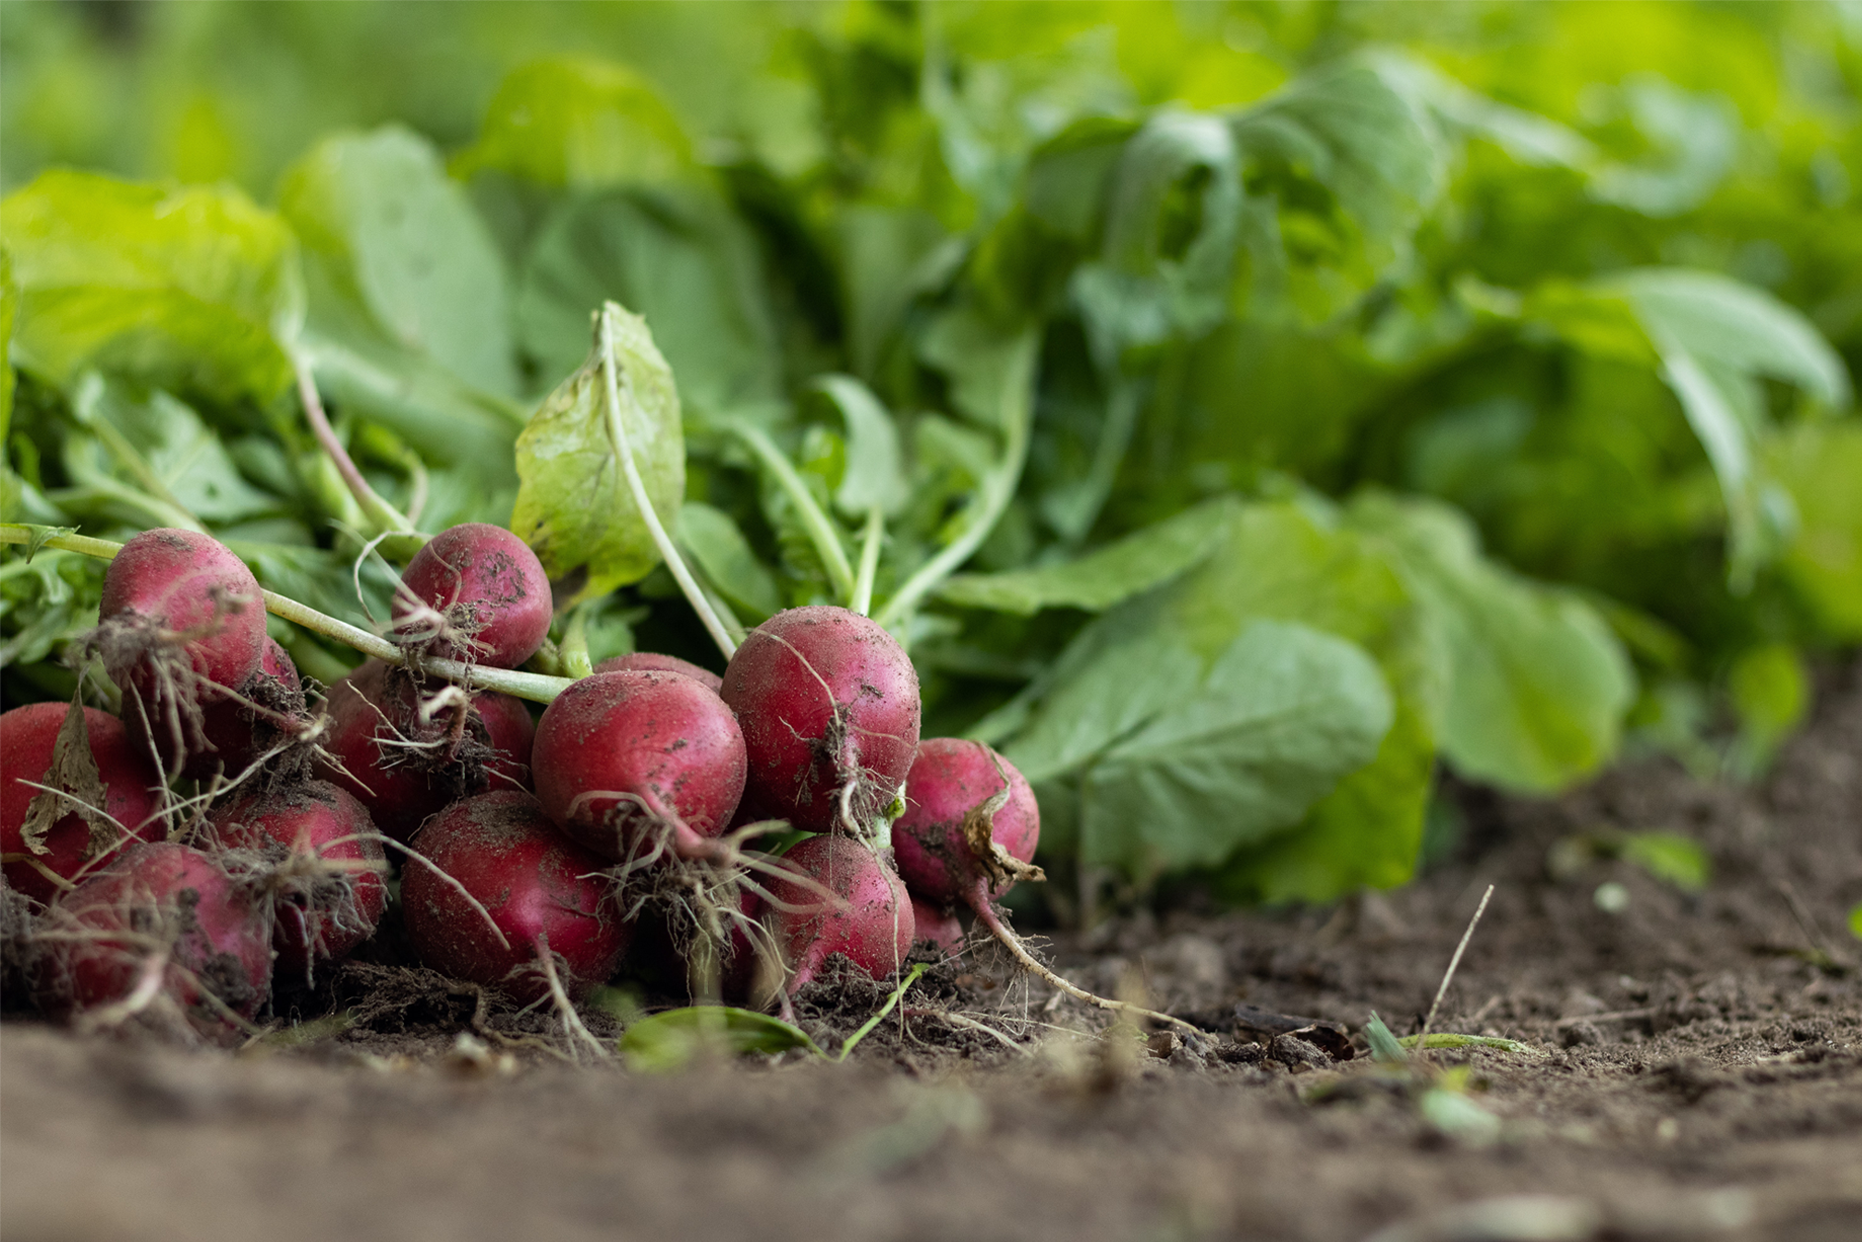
1693,1070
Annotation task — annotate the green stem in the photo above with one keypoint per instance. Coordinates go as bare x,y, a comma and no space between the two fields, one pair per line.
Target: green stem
574,650
533,686
404,540
623,446
869,562
820,529
997,491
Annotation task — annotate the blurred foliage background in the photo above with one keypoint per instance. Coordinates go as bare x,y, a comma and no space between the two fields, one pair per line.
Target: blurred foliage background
1511,344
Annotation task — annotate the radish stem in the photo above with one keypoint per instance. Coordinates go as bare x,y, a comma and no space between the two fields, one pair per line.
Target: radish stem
623,447
869,562
820,529
392,521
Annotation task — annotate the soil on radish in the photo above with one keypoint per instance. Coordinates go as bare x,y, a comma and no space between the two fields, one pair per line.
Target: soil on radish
1699,1071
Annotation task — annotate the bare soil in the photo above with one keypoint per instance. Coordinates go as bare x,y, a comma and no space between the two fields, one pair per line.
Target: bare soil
1695,1071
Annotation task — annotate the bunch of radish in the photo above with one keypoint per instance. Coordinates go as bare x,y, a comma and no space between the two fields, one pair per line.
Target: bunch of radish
529,853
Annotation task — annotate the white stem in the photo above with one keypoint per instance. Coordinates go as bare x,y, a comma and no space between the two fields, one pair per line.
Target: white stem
869,562
624,447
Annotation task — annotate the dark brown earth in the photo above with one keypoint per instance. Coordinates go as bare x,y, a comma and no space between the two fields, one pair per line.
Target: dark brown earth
1696,1073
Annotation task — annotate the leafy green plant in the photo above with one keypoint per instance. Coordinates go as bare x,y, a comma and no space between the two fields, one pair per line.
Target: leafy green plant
1239,417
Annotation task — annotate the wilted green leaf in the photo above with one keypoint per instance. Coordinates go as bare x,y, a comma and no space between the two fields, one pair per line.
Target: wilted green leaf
194,289
726,558
681,259
578,121
674,1039
1537,684
1096,581
1283,714
384,226
573,503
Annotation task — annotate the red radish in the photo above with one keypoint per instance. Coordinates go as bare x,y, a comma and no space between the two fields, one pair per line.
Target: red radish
937,924
868,917
235,732
537,887
969,828
479,594
654,662
181,620
970,824
404,769
163,929
829,706
328,874
114,777
632,762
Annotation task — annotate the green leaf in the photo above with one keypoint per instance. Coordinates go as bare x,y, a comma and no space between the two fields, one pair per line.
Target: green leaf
578,121
1667,856
681,259
1102,578
1283,714
1696,136
383,226
1770,689
1114,677
888,256
1151,283
1819,462
727,559
1537,683
674,1039
1341,166
1855,920
174,453
9,307
573,503
1386,1048
1716,337
447,421
39,534
875,474
193,289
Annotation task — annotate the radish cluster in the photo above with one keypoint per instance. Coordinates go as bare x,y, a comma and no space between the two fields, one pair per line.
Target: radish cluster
618,832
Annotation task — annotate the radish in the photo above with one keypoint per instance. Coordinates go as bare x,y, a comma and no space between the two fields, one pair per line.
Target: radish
635,764
840,897
654,662
115,793
234,732
403,768
937,924
477,593
829,705
328,875
970,824
164,930
536,894
182,621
